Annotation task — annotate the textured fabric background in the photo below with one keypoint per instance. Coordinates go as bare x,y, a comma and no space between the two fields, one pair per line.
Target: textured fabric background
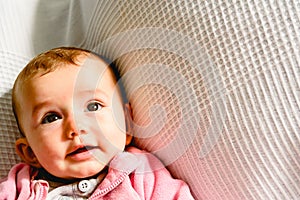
214,85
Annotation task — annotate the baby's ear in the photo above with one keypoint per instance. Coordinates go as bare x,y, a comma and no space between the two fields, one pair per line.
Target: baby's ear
128,120
25,152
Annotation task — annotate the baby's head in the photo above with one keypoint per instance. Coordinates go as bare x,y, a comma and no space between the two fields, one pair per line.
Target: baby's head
71,112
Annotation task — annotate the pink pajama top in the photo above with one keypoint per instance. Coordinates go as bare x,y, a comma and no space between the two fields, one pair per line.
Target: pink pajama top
133,174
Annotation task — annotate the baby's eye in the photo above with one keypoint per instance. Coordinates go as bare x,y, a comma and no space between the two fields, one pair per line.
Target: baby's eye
51,117
93,106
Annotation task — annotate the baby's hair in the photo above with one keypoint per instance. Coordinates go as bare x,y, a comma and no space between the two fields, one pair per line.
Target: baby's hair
54,59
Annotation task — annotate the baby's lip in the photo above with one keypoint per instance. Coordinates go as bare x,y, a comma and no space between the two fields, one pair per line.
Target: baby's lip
81,148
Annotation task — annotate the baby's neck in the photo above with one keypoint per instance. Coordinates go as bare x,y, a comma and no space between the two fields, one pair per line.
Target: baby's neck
55,182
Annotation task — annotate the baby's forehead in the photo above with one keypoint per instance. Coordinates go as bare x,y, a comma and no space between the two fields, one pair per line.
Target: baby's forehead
82,61
89,75
91,68
95,64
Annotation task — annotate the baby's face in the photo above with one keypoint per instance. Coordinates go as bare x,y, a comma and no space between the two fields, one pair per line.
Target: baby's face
73,119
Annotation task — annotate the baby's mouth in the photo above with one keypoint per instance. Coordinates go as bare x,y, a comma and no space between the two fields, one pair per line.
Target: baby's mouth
82,149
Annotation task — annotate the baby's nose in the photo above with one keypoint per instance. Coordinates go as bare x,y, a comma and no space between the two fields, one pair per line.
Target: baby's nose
74,128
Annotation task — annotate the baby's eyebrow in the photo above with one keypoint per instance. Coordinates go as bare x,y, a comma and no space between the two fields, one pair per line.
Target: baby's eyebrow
96,92
40,106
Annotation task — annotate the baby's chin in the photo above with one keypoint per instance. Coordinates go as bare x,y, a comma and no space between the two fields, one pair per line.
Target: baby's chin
92,170
92,174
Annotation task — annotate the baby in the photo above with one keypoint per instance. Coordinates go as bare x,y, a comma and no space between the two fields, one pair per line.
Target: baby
76,125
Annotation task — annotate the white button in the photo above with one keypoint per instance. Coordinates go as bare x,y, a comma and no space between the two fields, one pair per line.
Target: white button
84,186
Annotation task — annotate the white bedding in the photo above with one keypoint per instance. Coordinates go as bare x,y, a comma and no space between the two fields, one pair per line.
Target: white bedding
214,85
